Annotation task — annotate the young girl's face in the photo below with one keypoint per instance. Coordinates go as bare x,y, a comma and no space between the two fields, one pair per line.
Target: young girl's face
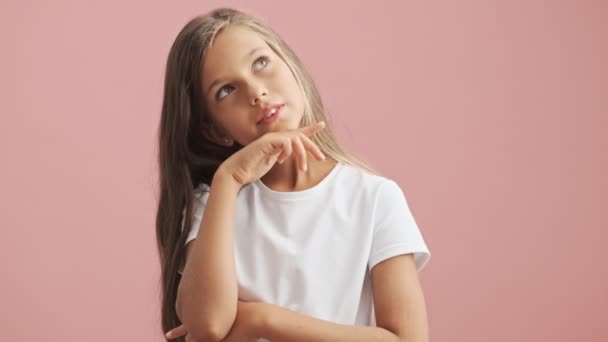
250,77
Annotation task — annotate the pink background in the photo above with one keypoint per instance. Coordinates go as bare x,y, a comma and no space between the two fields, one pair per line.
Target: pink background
491,115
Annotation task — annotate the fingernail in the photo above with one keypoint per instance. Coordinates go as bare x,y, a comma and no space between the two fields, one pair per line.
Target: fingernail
168,334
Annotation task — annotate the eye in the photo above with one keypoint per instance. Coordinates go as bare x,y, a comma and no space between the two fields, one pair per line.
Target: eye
220,91
261,59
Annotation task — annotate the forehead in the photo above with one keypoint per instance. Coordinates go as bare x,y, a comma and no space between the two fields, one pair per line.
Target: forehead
229,48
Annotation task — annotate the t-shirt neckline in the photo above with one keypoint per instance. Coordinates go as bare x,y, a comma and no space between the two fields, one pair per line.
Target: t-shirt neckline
290,195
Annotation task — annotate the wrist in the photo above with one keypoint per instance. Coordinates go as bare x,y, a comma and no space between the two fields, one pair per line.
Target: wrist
225,178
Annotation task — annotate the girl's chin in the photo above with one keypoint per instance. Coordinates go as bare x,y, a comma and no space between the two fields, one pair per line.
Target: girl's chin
278,126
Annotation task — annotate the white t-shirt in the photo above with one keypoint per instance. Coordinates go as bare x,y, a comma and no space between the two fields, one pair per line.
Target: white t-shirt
311,251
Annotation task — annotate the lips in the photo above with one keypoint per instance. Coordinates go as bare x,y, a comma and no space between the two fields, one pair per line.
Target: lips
266,111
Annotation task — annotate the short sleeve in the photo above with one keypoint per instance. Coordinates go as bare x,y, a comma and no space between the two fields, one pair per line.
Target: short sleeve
395,231
201,194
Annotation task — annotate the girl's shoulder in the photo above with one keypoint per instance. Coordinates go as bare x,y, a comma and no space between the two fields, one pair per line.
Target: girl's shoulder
200,190
201,187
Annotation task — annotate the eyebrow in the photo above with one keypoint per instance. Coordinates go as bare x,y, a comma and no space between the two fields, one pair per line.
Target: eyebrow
246,56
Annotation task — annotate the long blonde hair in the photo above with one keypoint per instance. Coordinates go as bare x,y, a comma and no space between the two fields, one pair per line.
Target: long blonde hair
186,158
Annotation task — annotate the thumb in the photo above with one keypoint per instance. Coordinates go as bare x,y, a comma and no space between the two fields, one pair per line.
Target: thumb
176,332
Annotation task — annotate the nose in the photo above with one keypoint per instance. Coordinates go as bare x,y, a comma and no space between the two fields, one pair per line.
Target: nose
257,92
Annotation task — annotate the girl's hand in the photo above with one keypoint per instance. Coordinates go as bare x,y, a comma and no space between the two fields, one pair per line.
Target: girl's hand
257,158
244,329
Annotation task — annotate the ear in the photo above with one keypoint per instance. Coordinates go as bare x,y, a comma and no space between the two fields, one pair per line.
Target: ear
212,133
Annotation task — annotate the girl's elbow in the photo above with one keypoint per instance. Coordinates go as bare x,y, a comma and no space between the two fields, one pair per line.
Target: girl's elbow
214,330
208,334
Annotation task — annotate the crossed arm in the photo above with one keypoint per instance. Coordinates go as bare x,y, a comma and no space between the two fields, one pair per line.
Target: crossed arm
399,304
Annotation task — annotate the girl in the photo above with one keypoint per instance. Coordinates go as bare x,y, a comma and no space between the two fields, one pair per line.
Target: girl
289,237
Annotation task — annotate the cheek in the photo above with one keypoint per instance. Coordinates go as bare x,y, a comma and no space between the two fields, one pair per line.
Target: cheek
283,77
289,87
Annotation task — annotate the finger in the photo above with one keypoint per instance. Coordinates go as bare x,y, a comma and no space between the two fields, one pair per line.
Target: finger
312,147
301,153
276,146
312,129
287,149
272,159
176,332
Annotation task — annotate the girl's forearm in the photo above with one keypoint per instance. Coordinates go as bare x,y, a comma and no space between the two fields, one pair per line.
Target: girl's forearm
283,325
208,291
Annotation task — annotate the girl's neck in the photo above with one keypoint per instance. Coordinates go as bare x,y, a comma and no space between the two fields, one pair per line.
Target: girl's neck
287,177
